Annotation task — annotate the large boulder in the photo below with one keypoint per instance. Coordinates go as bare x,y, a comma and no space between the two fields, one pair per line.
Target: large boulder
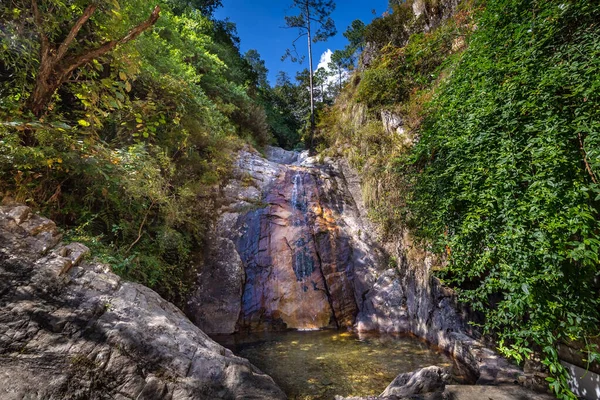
281,156
421,381
219,289
71,329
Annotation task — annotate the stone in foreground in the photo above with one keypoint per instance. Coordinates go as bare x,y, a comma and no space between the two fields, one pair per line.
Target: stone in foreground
430,384
424,380
74,330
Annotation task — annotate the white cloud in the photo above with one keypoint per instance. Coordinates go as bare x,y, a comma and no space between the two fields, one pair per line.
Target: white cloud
325,59
324,63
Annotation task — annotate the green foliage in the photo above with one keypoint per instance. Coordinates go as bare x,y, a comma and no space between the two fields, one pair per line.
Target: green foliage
341,60
313,21
287,112
206,7
282,104
503,179
398,71
356,35
509,157
380,87
131,150
258,67
313,18
393,28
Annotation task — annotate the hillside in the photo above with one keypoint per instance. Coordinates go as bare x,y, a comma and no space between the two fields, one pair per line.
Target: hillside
480,138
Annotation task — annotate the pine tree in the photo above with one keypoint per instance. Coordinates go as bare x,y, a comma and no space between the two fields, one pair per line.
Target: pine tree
340,60
314,22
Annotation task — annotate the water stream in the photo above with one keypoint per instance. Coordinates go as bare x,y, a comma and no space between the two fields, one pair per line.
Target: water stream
319,365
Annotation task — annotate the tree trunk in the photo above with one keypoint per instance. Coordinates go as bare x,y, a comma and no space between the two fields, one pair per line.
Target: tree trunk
47,83
56,67
312,100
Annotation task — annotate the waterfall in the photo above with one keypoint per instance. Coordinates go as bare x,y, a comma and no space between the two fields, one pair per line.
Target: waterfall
303,263
297,189
296,260
284,246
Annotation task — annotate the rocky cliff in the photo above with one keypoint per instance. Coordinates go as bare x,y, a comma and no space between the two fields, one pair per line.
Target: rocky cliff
71,329
289,251
292,249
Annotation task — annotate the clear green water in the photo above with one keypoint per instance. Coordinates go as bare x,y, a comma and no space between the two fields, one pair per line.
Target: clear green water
322,364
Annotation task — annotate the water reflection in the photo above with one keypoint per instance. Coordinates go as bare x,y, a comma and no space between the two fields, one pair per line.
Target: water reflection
321,364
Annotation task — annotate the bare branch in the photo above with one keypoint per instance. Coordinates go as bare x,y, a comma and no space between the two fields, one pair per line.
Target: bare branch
55,69
292,27
588,168
318,21
135,32
140,231
301,36
36,14
87,13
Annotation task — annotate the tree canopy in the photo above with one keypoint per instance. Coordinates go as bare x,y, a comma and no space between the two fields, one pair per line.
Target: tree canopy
313,21
142,114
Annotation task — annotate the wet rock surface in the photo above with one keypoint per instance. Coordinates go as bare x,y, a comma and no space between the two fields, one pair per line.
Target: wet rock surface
71,329
298,234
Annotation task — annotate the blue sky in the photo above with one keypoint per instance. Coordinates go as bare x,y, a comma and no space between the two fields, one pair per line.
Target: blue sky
259,25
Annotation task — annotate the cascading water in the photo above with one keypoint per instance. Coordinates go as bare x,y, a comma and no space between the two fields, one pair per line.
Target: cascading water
297,186
303,263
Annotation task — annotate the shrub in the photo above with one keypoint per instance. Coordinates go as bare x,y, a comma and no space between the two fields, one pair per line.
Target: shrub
508,156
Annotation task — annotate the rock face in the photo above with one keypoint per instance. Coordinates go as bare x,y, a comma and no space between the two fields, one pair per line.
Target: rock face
221,285
71,329
296,231
431,14
292,250
392,122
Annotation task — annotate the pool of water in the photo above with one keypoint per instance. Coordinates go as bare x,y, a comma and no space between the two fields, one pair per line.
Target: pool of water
322,364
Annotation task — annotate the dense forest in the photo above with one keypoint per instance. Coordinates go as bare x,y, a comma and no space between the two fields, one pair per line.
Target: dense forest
495,161
121,124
